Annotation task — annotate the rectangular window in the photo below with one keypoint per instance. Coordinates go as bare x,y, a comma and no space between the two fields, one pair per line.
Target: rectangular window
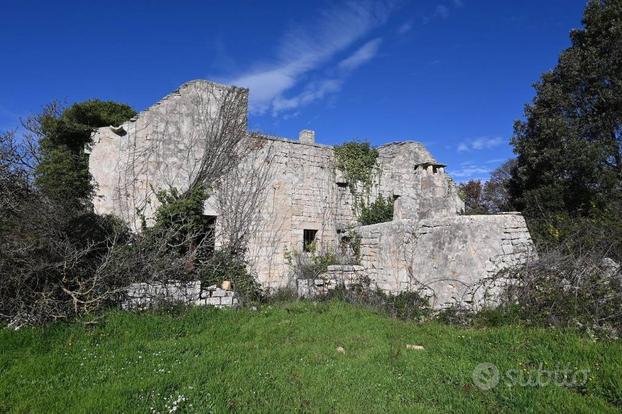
308,238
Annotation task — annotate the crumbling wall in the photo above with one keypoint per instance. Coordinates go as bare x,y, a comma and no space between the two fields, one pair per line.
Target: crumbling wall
418,183
335,276
426,243
148,295
301,194
445,256
160,148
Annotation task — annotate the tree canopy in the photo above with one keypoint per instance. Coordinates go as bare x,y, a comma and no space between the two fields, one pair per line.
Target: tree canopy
569,145
62,173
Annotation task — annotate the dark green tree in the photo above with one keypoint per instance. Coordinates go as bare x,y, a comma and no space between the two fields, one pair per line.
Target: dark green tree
569,163
62,173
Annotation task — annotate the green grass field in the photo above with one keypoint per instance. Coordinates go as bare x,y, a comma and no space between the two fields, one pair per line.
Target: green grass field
284,358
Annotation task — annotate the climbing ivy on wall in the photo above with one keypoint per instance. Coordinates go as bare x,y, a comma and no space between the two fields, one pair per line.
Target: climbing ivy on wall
357,160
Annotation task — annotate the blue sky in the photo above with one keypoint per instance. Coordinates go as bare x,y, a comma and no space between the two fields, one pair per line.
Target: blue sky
453,74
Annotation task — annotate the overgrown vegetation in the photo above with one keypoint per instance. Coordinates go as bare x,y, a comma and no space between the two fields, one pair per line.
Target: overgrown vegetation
284,358
311,264
59,260
357,160
53,248
379,211
63,136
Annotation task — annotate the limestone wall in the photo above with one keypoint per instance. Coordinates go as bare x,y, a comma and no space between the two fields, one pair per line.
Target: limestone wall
444,255
301,190
148,295
419,192
336,276
158,149
301,194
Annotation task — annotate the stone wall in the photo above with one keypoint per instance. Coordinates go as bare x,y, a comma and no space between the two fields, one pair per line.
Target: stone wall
444,256
163,146
147,295
335,276
158,149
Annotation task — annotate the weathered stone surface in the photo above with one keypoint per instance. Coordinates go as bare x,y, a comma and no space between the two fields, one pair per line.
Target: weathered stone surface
146,295
428,242
446,255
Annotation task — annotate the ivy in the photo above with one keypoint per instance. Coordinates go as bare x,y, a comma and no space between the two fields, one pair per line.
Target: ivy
357,160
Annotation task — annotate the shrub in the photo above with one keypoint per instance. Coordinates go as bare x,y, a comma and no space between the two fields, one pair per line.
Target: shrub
560,290
410,305
380,211
224,265
310,265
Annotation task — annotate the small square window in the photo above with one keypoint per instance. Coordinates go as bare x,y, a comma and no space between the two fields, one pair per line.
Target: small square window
308,238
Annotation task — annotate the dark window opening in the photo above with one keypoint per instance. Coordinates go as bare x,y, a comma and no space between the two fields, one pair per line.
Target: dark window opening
209,237
344,244
342,185
308,240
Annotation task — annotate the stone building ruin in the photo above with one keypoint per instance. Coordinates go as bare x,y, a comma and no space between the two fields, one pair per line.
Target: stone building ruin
305,198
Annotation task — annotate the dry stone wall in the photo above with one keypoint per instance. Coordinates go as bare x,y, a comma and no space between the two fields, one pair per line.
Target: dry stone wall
444,256
148,295
336,276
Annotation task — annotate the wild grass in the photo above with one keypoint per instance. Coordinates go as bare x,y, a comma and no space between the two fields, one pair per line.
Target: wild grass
284,358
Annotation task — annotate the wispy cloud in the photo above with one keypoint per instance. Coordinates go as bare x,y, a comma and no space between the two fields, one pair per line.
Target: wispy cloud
312,92
481,143
308,48
469,171
362,55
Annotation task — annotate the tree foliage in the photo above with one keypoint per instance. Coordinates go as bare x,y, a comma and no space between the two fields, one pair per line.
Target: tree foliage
62,173
569,146
491,196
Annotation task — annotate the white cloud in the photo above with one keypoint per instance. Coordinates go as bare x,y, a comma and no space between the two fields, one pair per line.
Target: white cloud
312,92
363,55
469,171
481,143
307,48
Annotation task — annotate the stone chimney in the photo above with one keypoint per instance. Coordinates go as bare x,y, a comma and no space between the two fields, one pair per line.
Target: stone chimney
306,136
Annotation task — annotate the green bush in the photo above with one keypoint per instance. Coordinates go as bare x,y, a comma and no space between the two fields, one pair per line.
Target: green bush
380,211
224,265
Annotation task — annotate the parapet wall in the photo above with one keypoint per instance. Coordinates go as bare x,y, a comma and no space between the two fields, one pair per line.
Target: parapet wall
444,256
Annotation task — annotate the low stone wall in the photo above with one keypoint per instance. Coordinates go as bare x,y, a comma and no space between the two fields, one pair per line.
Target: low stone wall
445,257
147,295
335,276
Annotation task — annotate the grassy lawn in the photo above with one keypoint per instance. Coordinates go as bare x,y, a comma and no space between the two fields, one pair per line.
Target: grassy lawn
284,358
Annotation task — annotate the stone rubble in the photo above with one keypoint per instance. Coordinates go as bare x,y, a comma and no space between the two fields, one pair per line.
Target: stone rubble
147,295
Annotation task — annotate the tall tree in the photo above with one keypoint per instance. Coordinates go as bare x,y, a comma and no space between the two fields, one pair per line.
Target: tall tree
62,173
569,147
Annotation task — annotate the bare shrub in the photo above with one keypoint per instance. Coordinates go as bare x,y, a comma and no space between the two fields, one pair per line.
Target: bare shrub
582,291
